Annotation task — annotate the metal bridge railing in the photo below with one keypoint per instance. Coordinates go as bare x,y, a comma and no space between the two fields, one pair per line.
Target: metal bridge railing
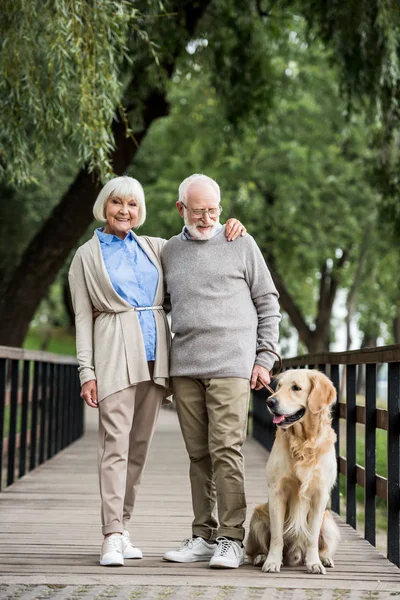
40,409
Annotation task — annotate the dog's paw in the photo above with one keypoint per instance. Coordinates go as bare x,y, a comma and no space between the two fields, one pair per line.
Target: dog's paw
271,567
259,560
316,568
327,561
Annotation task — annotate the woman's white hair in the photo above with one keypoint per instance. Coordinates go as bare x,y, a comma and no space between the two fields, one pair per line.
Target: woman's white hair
196,178
122,187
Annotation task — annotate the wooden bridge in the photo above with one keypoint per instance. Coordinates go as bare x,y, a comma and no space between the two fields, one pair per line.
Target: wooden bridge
50,534
49,517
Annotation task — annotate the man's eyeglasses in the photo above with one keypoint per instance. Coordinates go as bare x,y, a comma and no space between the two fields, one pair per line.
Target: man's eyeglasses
197,213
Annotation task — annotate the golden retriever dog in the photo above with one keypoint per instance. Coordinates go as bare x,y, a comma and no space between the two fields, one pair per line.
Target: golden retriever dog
294,527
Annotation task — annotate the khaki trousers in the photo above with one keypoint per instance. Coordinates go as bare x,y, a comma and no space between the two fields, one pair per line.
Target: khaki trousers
127,421
213,417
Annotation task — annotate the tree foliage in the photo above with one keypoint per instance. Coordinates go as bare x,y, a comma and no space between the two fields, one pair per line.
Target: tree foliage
61,67
297,172
269,98
144,101
365,37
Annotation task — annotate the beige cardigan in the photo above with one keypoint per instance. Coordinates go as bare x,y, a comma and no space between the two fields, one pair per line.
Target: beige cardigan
111,348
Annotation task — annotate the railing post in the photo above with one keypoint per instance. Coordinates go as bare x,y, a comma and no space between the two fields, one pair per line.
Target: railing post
263,428
393,542
50,421
71,415
3,371
24,417
12,431
351,420
80,403
370,455
77,407
43,413
34,420
336,426
57,408
61,408
65,408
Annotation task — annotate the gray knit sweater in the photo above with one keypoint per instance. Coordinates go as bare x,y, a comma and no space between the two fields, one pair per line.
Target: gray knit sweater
224,306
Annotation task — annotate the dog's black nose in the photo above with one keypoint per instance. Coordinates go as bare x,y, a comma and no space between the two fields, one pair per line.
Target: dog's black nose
271,401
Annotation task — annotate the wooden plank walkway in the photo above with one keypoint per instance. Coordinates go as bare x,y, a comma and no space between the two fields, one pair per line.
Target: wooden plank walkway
49,528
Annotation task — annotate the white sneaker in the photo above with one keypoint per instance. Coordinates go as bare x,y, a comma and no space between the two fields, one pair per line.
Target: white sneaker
111,551
128,549
192,550
228,555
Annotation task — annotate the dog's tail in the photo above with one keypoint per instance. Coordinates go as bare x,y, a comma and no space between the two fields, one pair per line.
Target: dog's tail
258,539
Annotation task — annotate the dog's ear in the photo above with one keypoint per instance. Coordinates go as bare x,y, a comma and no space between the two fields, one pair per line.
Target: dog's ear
322,394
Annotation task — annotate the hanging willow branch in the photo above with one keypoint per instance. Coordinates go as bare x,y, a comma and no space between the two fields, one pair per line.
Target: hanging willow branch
60,80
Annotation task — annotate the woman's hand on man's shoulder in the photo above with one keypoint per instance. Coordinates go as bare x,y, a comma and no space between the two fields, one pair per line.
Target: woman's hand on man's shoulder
233,229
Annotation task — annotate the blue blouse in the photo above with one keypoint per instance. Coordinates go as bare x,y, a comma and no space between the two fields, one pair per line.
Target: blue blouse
135,278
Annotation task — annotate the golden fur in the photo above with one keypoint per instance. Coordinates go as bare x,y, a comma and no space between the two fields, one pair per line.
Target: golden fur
294,526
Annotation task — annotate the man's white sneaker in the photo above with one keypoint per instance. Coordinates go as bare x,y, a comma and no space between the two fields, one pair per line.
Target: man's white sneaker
229,554
111,551
128,549
192,550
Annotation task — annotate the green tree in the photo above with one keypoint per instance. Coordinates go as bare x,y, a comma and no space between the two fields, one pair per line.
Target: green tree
379,296
231,38
61,66
296,174
365,37
143,101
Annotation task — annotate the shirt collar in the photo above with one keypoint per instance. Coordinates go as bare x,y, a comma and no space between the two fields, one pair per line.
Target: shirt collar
109,238
185,234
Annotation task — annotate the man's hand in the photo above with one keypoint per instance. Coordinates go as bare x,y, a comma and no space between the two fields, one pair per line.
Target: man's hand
89,393
260,377
234,228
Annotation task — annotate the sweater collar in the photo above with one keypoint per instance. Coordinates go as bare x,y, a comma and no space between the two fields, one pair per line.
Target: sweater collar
185,235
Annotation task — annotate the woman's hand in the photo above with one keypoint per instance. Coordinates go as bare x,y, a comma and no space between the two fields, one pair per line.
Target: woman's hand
89,393
234,228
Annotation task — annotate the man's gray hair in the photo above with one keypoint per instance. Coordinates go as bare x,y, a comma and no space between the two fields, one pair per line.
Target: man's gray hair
196,178
122,187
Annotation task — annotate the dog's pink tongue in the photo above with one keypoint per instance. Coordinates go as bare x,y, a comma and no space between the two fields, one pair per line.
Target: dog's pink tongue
278,418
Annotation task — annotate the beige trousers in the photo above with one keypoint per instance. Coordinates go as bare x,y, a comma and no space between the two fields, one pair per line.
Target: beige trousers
213,417
127,421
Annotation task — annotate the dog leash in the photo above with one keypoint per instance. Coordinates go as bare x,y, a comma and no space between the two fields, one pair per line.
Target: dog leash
263,349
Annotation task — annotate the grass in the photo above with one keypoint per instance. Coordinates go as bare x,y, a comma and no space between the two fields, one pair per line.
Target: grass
57,340
381,469
19,420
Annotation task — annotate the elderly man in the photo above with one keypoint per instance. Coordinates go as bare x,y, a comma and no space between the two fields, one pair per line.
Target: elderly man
224,307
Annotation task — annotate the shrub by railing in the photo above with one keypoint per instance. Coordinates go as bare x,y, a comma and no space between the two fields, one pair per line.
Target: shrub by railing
348,364
40,409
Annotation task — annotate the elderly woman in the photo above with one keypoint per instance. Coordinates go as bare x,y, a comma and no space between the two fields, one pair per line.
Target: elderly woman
123,354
